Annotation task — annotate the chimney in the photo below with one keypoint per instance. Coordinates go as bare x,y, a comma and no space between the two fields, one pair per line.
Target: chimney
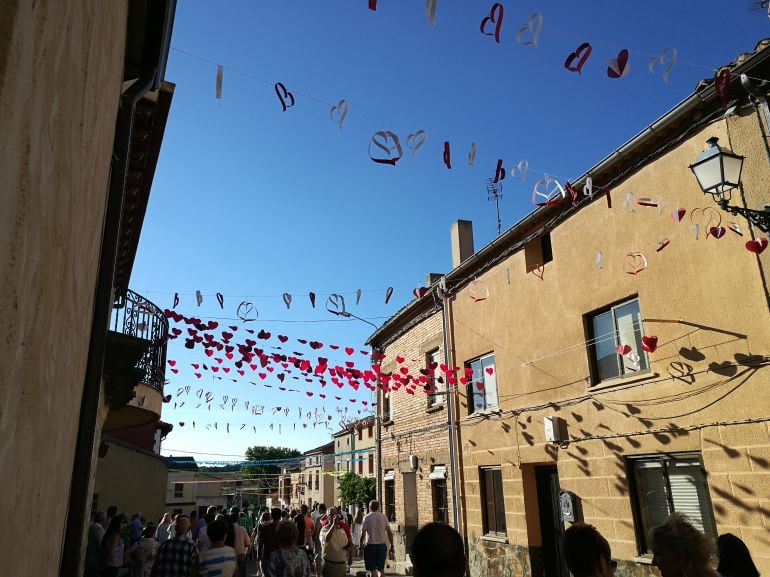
431,278
462,241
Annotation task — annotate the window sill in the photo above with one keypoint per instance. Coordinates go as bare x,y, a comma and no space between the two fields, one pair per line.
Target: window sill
387,423
434,409
485,414
494,538
643,560
620,381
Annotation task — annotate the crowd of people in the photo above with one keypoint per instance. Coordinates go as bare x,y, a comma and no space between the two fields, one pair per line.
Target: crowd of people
299,543
321,542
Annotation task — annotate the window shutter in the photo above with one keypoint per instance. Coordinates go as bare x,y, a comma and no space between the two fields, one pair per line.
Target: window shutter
490,381
653,497
688,493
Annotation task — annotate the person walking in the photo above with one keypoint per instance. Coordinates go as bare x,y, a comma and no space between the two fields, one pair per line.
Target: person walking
112,551
355,531
241,543
266,518
289,560
680,550
177,557
162,533
336,546
438,551
218,560
142,553
268,541
587,552
375,530
95,536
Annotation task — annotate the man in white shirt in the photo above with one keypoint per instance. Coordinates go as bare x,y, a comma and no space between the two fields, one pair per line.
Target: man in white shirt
218,560
375,529
241,542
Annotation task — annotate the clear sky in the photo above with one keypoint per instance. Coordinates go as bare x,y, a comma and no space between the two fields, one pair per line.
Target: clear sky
252,202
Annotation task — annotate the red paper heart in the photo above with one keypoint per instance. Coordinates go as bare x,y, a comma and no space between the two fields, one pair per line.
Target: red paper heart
399,359
283,338
617,67
581,55
209,352
226,369
495,17
195,366
229,356
480,386
217,359
198,375
349,351
717,231
757,246
334,347
227,336
175,371
262,376
419,292
281,376
722,86
215,369
490,370
242,373
650,343
623,349
181,423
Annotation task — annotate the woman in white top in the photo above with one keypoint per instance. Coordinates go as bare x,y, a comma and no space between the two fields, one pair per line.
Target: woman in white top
162,532
359,518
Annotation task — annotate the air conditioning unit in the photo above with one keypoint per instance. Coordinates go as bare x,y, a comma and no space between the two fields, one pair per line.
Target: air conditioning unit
555,430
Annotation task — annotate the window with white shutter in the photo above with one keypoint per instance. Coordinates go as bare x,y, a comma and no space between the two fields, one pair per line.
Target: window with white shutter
482,384
665,484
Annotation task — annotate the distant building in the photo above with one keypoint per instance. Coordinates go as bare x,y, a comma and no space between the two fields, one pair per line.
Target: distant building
317,468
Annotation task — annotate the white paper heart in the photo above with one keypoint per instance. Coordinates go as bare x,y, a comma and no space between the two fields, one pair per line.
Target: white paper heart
472,154
634,263
519,170
547,192
335,304
588,187
666,59
389,143
339,112
533,26
415,140
477,291
628,203
599,260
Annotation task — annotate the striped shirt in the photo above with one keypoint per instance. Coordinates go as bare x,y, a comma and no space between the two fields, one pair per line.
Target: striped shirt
217,562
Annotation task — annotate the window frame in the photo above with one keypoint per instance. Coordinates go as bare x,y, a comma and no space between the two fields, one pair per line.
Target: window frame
435,396
178,490
591,337
500,530
440,492
389,493
472,391
640,531
387,415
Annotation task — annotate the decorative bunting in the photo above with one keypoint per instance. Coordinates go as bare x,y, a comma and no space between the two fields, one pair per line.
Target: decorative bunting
495,17
220,73
284,96
666,59
532,27
338,112
618,67
382,139
447,156
581,55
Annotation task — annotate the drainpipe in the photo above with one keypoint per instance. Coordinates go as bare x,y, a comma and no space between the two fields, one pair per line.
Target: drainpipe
442,292
378,433
79,498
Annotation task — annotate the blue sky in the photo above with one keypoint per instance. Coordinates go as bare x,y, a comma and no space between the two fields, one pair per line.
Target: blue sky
251,202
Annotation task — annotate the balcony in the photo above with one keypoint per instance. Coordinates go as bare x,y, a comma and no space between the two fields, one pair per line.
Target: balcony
135,362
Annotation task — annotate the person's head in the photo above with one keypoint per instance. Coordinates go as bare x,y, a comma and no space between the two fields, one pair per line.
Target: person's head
679,549
116,524
99,517
303,509
235,510
217,531
438,551
265,518
359,516
149,531
734,557
587,552
276,514
234,518
374,506
182,525
286,532
331,512
193,516
284,514
322,509
135,516
166,518
212,511
112,510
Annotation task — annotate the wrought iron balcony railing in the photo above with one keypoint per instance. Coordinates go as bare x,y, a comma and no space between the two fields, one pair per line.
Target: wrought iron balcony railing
138,317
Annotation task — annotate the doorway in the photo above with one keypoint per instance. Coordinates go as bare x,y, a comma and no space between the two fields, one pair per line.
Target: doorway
551,524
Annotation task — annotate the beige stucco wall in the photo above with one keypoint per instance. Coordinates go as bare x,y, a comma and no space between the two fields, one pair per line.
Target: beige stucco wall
705,301
58,102
133,480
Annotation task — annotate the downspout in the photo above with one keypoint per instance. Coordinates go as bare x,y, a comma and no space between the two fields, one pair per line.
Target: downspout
378,432
442,292
79,498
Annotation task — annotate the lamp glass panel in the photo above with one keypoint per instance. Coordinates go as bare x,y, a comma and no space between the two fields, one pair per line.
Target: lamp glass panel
709,174
732,166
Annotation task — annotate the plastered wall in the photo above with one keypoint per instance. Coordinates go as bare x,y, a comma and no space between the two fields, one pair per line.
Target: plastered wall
705,301
59,90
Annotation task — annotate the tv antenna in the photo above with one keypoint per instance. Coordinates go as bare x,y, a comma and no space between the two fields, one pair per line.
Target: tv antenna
495,192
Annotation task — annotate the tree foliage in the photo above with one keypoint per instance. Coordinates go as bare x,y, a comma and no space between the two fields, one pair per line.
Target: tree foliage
357,490
262,476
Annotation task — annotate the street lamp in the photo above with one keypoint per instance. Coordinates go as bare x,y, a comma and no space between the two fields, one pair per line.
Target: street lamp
718,172
348,315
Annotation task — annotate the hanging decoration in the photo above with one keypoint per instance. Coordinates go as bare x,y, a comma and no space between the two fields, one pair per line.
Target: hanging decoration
599,260
430,11
389,143
287,300
284,96
531,28
519,171
662,243
388,294
338,112
634,263
415,140
757,246
666,59
220,74
548,192
495,18
618,67
447,155
221,300
650,344
499,171
722,86
335,304
581,55
199,297
678,214
478,291
246,312
472,154
311,296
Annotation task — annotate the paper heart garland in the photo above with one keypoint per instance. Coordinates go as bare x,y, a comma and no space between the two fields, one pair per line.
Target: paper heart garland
533,26
447,156
581,55
662,243
757,246
478,291
666,59
588,187
335,304
495,17
419,292
520,169
634,263
199,297
284,96
717,231
389,143
722,86
650,343
472,154
618,67
388,294
415,140
339,112
311,296
678,214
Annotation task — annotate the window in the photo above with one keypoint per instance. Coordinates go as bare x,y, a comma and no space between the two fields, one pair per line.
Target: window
390,496
492,504
371,428
317,481
617,326
665,484
385,397
360,433
482,385
360,464
371,464
178,490
438,490
435,396
537,252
